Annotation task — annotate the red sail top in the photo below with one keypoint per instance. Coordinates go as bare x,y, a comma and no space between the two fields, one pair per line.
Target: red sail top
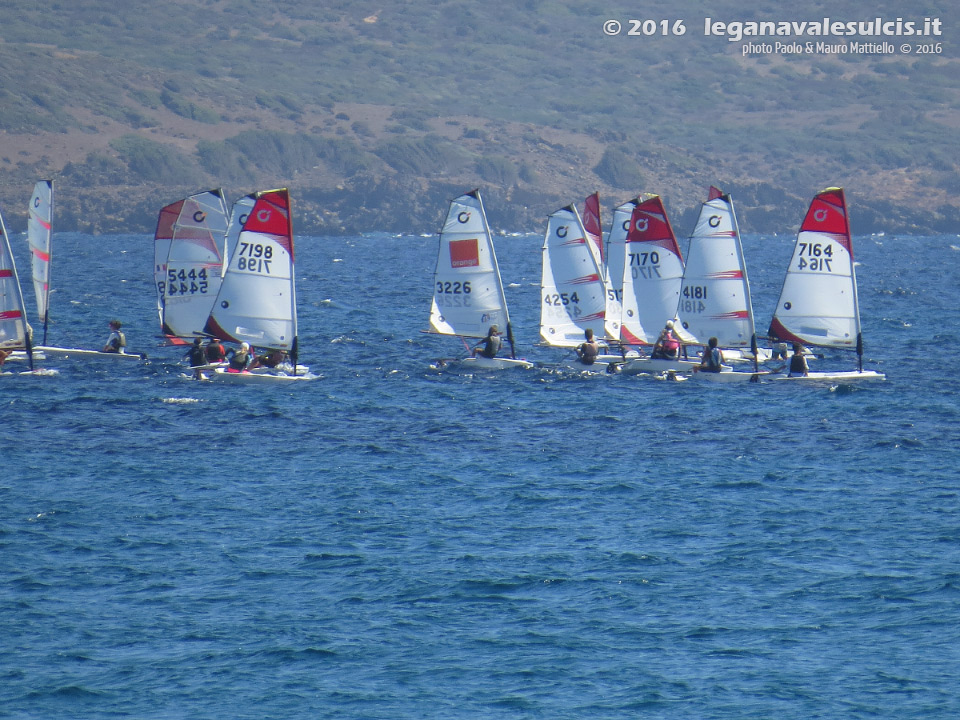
649,223
714,193
166,220
591,221
271,216
828,214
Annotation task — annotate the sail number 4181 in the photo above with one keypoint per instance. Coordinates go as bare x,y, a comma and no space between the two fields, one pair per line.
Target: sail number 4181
814,256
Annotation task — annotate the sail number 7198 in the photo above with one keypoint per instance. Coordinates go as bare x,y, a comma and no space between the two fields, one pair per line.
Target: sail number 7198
254,257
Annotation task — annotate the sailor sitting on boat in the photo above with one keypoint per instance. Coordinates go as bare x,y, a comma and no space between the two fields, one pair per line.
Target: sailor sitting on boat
667,346
712,358
239,359
116,342
587,351
491,344
798,363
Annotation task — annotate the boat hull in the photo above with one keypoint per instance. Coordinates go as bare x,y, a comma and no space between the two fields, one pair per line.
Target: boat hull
649,365
497,363
59,352
833,377
221,374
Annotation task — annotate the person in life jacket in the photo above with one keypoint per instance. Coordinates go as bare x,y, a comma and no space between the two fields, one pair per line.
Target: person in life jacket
269,359
215,351
667,346
798,363
491,344
587,351
197,356
239,359
712,357
116,342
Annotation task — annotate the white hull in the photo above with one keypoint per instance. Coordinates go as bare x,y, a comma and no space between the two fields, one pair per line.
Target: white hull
282,369
483,363
254,377
833,377
21,356
80,353
729,375
648,365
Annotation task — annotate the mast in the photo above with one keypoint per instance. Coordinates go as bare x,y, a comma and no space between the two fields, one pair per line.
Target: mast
496,270
746,281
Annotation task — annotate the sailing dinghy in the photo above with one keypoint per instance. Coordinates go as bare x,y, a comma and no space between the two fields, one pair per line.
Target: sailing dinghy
572,293
257,302
652,276
468,293
39,238
818,303
194,263
14,331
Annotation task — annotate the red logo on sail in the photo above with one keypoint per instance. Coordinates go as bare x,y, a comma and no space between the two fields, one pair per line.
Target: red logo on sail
464,253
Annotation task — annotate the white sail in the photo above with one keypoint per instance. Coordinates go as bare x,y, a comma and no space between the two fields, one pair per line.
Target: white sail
818,301
194,263
39,226
652,273
238,216
613,269
257,299
572,294
467,291
13,323
715,293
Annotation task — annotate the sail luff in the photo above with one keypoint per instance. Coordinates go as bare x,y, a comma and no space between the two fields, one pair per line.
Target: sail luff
613,269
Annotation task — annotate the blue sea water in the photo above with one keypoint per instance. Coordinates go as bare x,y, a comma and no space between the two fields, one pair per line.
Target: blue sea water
395,542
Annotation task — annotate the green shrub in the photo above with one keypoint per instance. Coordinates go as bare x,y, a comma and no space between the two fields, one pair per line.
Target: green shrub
618,168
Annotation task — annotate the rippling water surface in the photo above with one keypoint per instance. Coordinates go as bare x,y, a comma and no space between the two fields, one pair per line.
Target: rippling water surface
395,542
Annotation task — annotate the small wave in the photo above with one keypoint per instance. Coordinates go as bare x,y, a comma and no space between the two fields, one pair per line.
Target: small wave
180,401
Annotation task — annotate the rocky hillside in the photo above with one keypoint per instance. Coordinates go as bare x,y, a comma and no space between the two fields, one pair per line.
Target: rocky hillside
376,114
